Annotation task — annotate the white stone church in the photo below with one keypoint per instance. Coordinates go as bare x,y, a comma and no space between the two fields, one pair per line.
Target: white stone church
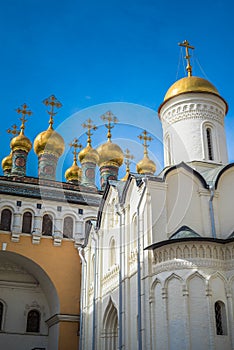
158,266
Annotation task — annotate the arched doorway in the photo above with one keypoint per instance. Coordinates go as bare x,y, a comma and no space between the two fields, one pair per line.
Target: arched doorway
110,327
26,291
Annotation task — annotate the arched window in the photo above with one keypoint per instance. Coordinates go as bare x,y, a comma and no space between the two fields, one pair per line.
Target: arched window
47,225
110,327
1,314
33,321
68,227
27,222
220,318
209,144
6,216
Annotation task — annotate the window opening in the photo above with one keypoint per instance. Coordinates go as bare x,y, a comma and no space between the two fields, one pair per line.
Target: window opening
68,227
209,144
33,321
6,216
27,222
47,225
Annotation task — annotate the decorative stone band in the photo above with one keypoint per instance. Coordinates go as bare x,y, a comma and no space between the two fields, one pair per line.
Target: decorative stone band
191,254
88,174
57,318
47,166
19,160
194,111
108,173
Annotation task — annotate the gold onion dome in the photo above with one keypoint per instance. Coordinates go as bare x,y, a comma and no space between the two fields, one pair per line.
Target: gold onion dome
146,166
88,155
110,154
7,162
21,142
190,84
74,173
49,141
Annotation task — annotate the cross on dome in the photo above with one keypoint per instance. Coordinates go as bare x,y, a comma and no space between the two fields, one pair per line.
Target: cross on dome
53,102
187,46
90,126
111,119
25,112
13,130
128,156
144,136
76,145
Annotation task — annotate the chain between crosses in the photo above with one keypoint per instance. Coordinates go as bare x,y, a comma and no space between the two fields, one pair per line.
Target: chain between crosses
25,112
144,136
13,130
187,46
90,126
110,118
76,145
128,156
53,102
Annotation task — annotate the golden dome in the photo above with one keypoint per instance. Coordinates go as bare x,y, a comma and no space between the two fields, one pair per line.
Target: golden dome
110,154
74,173
21,142
7,162
146,166
49,141
190,84
89,155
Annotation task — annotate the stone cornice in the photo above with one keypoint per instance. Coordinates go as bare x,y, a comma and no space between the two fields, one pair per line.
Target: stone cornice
62,318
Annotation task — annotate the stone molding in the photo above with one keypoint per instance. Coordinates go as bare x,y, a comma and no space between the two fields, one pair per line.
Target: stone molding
62,318
193,111
184,255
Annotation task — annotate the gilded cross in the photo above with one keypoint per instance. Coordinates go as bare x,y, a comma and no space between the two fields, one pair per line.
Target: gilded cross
187,46
76,145
13,130
144,136
111,120
52,102
90,126
25,112
128,156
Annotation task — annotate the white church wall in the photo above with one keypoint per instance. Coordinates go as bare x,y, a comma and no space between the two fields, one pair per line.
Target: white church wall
183,202
225,204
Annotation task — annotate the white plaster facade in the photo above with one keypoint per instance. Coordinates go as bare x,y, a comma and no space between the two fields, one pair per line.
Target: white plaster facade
158,269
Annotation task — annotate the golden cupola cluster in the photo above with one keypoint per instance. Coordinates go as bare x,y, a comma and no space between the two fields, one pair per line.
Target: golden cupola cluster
145,165
21,142
49,141
74,173
110,154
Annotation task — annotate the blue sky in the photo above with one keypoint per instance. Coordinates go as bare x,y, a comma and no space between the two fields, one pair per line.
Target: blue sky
97,55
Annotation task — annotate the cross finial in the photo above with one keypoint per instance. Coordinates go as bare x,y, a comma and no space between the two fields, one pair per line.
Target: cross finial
144,136
111,120
187,46
75,144
90,126
24,111
128,156
13,130
53,102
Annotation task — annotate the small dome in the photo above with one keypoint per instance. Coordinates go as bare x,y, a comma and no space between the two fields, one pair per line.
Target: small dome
74,173
21,142
190,84
146,166
110,154
89,155
7,163
49,141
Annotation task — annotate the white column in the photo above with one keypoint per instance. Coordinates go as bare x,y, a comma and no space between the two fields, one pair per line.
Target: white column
37,225
230,318
186,317
16,227
210,307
